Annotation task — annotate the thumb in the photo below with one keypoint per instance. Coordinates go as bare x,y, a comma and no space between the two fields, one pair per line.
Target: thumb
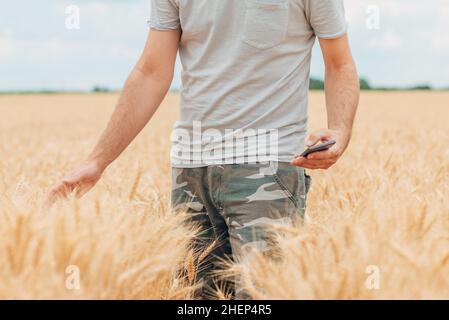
315,137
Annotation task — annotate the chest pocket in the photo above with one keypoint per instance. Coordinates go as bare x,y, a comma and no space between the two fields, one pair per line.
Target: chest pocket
266,22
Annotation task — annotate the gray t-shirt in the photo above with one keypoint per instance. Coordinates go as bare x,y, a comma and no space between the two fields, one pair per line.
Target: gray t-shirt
245,75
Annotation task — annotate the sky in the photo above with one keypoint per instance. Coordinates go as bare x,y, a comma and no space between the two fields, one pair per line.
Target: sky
394,42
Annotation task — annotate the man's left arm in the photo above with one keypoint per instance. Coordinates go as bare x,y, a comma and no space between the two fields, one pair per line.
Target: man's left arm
342,97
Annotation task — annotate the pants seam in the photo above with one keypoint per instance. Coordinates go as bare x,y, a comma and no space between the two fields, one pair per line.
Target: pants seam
285,190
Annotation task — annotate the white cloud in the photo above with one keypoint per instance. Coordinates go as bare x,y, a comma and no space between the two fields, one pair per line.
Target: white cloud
7,49
386,41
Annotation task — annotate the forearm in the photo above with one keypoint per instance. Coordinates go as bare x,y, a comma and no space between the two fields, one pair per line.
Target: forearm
141,96
342,97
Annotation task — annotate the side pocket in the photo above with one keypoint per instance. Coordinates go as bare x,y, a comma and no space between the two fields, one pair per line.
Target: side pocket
285,189
286,177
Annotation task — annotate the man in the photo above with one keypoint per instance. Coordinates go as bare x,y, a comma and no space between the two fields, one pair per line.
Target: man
243,112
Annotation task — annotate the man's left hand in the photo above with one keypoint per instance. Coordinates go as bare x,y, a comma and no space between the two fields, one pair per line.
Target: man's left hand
323,159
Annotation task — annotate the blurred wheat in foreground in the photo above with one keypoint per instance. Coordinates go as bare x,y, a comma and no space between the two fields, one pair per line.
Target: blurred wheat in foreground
383,210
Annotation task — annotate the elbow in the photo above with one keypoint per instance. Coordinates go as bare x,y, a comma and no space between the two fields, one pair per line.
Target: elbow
347,66
346,71
159,74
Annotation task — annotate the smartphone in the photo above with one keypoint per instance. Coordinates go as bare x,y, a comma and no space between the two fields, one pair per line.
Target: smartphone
318,147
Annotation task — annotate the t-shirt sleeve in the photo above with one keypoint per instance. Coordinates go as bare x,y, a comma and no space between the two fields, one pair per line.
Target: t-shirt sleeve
164,14
327,18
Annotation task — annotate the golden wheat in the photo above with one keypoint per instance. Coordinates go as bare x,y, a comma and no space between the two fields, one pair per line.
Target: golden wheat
384,205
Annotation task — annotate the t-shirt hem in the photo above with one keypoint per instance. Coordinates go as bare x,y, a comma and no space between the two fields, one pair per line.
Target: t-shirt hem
286,159
161,27
333,35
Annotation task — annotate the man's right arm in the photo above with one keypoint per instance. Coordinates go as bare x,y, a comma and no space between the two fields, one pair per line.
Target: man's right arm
143,92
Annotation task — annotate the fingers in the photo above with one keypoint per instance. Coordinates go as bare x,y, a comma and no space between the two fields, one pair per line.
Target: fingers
314,164
80,181
332,153
60,190
50,199
52,196
304,161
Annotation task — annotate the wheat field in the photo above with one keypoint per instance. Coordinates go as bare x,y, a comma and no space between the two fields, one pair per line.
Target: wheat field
377,223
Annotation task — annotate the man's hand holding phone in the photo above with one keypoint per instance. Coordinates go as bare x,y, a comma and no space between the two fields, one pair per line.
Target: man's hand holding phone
325,147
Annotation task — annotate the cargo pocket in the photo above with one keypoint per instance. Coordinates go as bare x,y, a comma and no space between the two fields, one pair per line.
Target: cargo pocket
266,23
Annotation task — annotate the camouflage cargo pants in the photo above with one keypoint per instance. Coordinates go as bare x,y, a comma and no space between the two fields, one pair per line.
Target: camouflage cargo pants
234,204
